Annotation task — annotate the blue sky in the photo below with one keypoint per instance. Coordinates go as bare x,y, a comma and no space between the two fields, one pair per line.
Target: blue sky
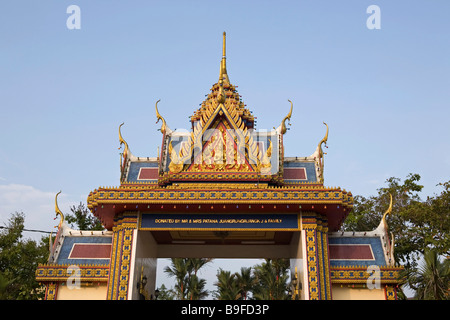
63,93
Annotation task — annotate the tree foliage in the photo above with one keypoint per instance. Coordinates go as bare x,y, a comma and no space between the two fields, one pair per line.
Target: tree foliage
415,224
265,281
272,277
187,283
19,259
420,229
83,219
430,280
227,286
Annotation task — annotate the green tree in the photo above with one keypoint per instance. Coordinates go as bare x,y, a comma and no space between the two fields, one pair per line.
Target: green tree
188,285
179,270
166,294
196,287
272,277
227,286
83,219
19,259
417,225
245,282
431,280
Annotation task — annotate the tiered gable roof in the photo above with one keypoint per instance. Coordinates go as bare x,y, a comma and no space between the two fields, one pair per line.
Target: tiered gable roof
223,151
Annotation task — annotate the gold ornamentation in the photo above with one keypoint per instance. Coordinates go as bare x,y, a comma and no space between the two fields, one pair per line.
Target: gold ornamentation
51,290
266,166
388,211
309,226
282,195
159,117
89,272
122,141
321,155
360,275
390,293
175,164
288,117
142,283
223,76
121,256
58,212
125,154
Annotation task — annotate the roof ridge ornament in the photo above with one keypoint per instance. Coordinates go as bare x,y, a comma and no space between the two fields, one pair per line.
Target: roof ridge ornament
288,117
383,228
388,211
223,76
321,154
125,155
122,141
58,211
159,117
223,63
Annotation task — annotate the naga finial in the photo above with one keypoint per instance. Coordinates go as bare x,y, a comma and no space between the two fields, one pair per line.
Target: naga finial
388,211
159,117
58,212
122,141
321,153
288,117
325,139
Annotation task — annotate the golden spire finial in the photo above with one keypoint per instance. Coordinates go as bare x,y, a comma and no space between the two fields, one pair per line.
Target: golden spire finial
223,64
58,212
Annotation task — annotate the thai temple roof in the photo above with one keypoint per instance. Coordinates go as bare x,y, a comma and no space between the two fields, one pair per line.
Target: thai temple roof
222,151
222,167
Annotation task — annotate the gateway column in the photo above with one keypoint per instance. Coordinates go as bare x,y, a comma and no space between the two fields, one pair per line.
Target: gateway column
314,232
125,227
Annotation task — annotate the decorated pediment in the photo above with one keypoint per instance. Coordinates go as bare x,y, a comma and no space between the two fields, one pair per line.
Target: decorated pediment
223,143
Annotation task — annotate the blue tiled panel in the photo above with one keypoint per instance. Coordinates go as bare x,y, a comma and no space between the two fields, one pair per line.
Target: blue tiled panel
63,257
375,243
309,167
136,166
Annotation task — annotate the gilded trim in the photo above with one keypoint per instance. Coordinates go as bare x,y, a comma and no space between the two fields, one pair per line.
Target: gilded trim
53,272
51,291
280,195
124,226
357,274
390,292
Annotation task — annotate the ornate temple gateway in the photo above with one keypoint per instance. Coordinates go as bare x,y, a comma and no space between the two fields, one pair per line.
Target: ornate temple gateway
222,190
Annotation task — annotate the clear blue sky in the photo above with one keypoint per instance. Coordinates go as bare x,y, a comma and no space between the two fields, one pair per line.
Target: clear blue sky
63,93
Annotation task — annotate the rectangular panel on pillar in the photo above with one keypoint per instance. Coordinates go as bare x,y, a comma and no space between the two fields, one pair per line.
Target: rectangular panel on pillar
317,258
122,250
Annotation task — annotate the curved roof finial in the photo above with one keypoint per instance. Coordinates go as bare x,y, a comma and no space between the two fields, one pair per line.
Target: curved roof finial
321,155
288,117
122,141
159,117
388,211
325,139
58,212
